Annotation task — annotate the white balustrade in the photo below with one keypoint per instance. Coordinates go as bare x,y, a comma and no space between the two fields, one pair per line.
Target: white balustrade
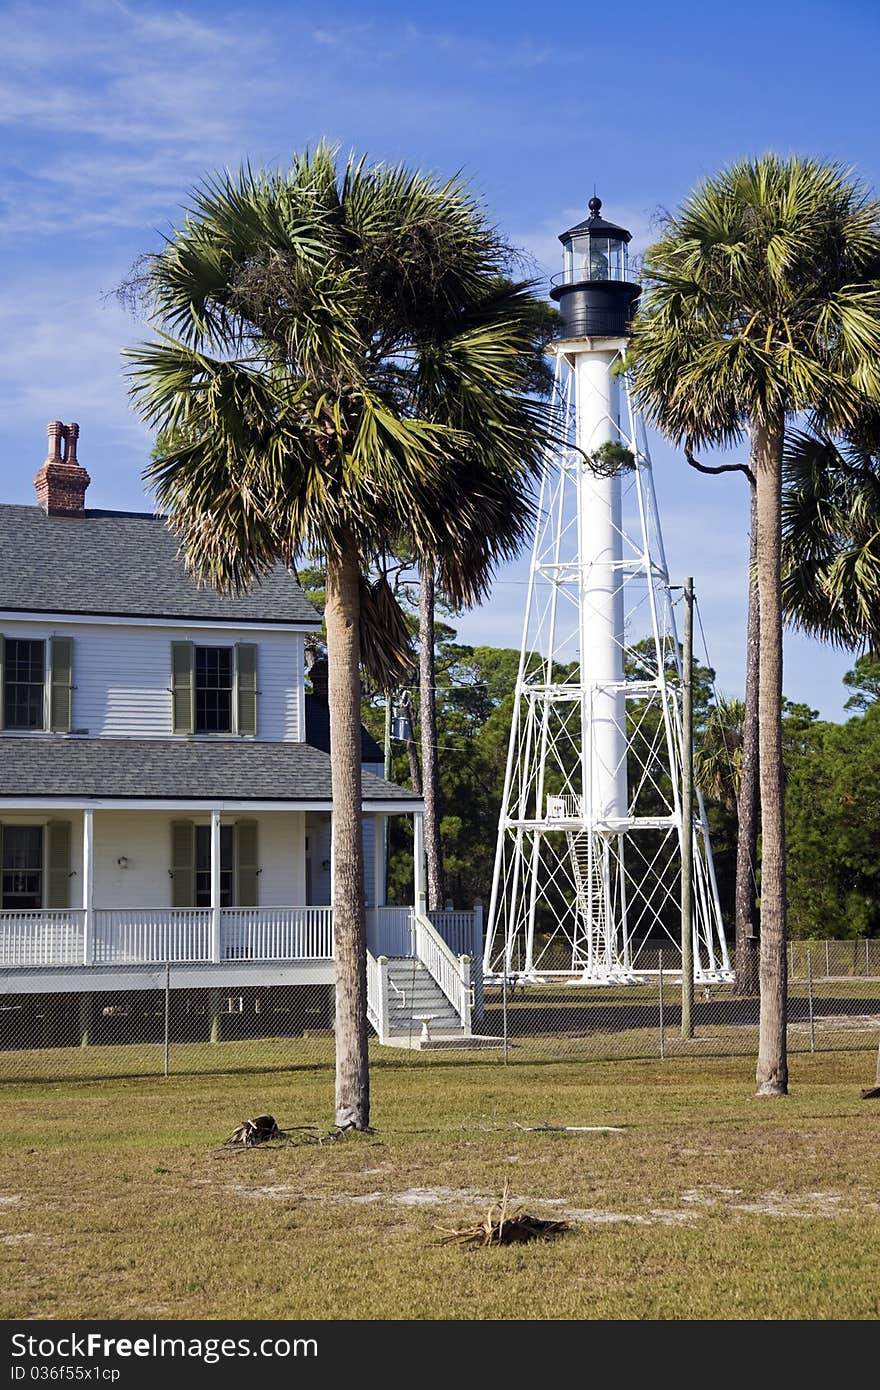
451,972
390,931
53,936
377,995
276,933
458,930
138,936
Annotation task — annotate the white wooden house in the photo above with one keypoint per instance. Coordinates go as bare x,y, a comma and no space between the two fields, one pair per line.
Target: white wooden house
165,791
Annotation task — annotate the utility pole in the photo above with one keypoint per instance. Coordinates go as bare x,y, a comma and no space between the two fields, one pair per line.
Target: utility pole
687,816
388,705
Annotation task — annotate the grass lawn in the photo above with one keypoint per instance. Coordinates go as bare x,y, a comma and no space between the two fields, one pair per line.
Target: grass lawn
116,1199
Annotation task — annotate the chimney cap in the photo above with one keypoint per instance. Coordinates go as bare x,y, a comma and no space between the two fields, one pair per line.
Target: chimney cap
62,481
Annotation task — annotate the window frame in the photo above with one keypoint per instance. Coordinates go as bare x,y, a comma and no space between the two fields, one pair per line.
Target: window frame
227,835
233,686
40,828
45,684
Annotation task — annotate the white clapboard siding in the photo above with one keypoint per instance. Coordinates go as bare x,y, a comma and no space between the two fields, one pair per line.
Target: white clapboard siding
122,676
142,839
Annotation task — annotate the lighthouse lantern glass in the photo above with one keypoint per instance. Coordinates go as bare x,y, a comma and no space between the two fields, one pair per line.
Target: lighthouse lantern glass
589,257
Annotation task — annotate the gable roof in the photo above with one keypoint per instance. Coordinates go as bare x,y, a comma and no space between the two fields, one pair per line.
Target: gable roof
173,770
124,564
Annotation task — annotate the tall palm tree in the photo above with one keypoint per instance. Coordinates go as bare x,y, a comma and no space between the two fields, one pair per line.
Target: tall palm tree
304,318
760,307
451,407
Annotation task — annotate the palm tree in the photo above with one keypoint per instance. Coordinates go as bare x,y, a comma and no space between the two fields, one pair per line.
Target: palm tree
303,318
831,539
450,407
718,756
759,308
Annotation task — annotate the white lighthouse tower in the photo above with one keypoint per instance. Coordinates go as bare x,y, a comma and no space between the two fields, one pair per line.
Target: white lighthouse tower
587,881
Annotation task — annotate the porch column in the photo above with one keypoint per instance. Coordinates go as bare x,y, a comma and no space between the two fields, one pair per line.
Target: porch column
419,860
88,882
215,884
380,830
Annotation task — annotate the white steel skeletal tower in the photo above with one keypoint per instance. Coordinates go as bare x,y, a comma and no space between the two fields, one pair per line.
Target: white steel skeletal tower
587,866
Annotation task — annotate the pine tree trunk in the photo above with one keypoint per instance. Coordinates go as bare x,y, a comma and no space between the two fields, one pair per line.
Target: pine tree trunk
428,723
772,1069
412,752
749,801
342,614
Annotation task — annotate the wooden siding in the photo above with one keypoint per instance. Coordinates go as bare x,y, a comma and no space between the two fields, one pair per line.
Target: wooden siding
122,676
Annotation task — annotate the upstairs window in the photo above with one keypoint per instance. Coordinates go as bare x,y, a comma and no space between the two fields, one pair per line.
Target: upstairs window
24,684
36,686
213,689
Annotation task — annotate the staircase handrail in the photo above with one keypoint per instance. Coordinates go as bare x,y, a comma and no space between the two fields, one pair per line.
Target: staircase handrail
377,994
450,972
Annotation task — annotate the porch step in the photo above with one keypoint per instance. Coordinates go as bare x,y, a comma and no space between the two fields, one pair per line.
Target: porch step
413,997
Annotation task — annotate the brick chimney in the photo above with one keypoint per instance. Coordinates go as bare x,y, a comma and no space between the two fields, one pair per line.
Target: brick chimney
62,481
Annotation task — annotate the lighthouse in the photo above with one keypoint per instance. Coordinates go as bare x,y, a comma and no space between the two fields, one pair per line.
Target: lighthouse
587,876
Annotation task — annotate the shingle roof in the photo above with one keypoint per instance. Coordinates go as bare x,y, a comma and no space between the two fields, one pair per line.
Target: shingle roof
318,731
173,769
123,564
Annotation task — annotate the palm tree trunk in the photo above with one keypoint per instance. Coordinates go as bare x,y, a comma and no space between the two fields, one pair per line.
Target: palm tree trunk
749,804
772,1069
342,615
428,722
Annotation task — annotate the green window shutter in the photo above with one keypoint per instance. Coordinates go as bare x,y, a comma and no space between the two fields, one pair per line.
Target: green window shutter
183,863
2,686
58,863
182,688
246,866
246,687
61,687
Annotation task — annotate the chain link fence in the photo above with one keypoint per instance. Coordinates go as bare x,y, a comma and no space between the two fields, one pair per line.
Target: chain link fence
166,1027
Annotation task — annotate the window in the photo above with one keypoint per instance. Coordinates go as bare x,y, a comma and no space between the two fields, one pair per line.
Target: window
213,672
203,865
24,684
22,876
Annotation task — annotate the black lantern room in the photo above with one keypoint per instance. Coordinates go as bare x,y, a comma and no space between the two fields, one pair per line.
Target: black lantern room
596,297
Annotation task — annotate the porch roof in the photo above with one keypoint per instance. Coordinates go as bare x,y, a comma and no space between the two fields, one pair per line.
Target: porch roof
173,769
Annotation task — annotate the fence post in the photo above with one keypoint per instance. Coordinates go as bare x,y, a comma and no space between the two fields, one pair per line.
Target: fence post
867,960
167,1011
687,816
662,1036
382,975
810,998
827,963
504,1005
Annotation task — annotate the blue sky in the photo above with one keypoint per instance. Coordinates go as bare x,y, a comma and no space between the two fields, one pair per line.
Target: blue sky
111,111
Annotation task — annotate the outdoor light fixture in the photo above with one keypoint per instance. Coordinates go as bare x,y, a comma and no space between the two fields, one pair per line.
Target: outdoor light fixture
122,862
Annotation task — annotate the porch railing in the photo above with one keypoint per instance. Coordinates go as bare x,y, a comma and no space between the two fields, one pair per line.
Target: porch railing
390,931
462,931
52,936
146,936
451,972
276,933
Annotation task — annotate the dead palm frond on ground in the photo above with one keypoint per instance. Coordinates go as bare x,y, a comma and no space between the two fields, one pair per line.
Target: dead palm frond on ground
504,1225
